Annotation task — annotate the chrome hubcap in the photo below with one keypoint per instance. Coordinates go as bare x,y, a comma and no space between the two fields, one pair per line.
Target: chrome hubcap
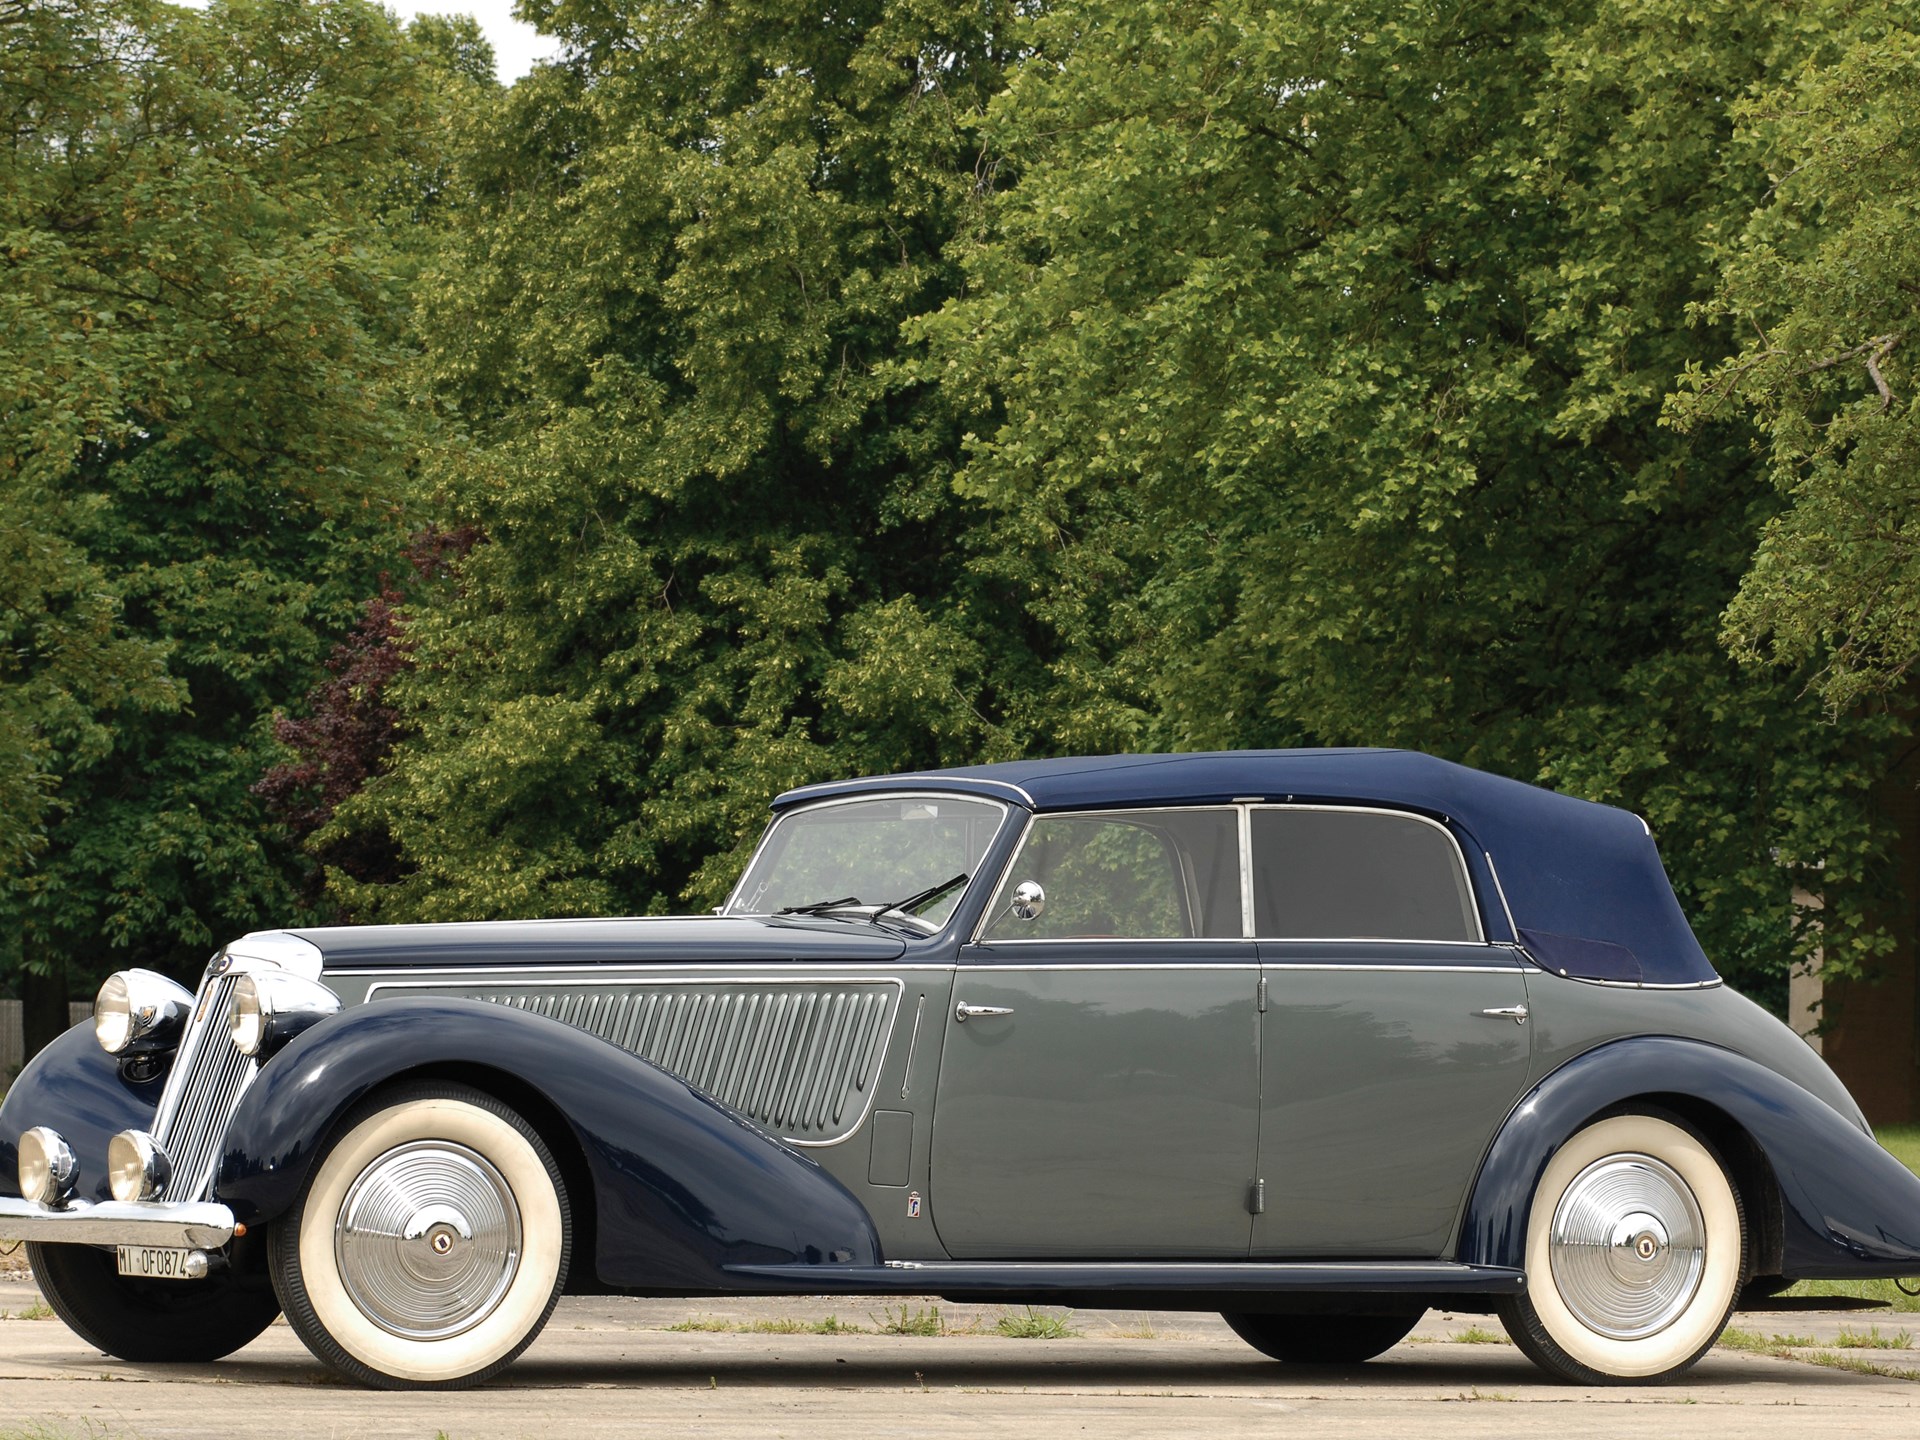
1628,1246
428,1240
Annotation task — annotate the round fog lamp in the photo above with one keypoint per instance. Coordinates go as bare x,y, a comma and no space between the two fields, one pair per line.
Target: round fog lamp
47,1168
137,1168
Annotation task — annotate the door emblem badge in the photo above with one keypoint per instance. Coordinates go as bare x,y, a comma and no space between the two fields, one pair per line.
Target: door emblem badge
913,1204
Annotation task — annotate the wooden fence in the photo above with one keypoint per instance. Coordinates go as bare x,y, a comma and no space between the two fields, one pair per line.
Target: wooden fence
13,1042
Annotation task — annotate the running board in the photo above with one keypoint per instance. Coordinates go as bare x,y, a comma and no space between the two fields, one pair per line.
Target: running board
1139,1277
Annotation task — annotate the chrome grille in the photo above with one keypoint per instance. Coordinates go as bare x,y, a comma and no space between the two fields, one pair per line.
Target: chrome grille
798,1058
205,1086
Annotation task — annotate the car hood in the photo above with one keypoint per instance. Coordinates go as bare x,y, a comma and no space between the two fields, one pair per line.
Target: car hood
683,940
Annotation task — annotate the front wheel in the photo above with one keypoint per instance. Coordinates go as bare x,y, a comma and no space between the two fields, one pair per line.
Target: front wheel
430,1244
1636,1251
169,1321
1322,1339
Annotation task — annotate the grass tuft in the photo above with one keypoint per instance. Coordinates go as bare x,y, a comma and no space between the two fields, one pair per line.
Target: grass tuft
1873,1340
902,1320
1858,1366
1034,1325
1478,1335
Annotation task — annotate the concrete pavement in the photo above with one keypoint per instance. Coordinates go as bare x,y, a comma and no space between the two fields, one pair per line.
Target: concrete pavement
612,1367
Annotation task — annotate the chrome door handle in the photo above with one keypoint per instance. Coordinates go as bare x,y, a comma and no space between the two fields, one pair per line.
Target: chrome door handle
1515,1013
964,1012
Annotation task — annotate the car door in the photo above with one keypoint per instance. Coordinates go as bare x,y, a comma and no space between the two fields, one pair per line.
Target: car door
1396,1040
1098,1091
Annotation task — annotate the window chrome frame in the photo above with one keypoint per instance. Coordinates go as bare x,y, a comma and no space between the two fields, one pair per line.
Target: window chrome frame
868,797
1026,833
1248,934
1460,860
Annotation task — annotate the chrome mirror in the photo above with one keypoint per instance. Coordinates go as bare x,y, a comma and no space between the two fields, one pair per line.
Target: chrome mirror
1028,900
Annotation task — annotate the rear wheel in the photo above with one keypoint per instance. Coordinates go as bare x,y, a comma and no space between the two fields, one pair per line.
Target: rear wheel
148,1320
431,1242
1322,1339
1636,1251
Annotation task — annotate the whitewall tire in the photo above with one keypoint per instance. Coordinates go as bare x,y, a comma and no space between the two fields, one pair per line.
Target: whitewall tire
1636,1252
431,1242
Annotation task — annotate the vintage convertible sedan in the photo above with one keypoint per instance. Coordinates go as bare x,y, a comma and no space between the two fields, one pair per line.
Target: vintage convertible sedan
1318,1039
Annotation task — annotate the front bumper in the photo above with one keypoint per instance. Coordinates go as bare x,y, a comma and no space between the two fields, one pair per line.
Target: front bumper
199,1225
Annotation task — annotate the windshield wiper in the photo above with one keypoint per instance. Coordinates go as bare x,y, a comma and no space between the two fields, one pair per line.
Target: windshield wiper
820,906
932,892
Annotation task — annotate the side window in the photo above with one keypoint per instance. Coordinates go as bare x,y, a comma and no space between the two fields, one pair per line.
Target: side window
1355,875
1132,875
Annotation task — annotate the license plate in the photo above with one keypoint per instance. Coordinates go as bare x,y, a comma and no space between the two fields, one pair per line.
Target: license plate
154,1262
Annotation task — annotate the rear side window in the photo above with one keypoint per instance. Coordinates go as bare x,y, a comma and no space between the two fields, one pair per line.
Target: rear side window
1127,875
1357,875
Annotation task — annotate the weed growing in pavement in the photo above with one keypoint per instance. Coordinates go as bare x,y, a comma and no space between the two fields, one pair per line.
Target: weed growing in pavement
1860,1367
902,1320
1873,1340
1034,1325
1479,1335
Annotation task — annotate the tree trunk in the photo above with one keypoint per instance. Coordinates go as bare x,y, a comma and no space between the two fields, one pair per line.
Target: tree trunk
43,1000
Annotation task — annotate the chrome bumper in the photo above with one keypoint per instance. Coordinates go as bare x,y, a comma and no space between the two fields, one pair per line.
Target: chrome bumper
200,1225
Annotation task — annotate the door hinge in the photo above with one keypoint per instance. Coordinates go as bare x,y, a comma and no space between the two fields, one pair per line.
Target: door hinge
1257,1198
1263,995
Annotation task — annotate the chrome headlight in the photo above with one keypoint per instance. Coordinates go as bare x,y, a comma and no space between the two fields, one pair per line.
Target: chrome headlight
137,1012
270,1007
137,1168
47,1169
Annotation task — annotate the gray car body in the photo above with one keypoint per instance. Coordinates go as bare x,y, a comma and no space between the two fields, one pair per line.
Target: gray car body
975,1110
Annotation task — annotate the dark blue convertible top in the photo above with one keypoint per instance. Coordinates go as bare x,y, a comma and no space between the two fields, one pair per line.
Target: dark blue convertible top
1583,883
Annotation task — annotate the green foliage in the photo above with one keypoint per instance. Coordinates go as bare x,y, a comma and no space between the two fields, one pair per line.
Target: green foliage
1821,291
723,557
205,221
1314,361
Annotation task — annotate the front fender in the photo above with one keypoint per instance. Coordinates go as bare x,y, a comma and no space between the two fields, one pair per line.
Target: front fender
1849,1210
682,1187
84,1093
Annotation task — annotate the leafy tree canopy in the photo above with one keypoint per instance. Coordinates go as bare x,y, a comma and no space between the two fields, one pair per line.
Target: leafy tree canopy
1315,358
207,220
723,554
1821,290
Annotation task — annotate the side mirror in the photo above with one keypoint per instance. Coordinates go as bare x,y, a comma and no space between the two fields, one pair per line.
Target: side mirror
1028,900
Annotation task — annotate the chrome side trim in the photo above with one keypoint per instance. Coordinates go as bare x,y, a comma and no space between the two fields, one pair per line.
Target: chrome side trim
1246,870
913,1044
1501,891
958,782
668,971
192,1226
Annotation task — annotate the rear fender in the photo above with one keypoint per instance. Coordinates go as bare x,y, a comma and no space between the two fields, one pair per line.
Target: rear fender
1848,1209
682,1187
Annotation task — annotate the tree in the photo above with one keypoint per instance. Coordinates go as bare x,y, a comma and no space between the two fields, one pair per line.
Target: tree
1823,287
1314,358
205,218
721,552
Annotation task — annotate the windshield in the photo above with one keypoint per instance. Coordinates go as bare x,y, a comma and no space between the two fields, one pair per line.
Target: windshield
867,856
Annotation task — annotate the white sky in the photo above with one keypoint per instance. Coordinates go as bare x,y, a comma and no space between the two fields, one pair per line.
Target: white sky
515,46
